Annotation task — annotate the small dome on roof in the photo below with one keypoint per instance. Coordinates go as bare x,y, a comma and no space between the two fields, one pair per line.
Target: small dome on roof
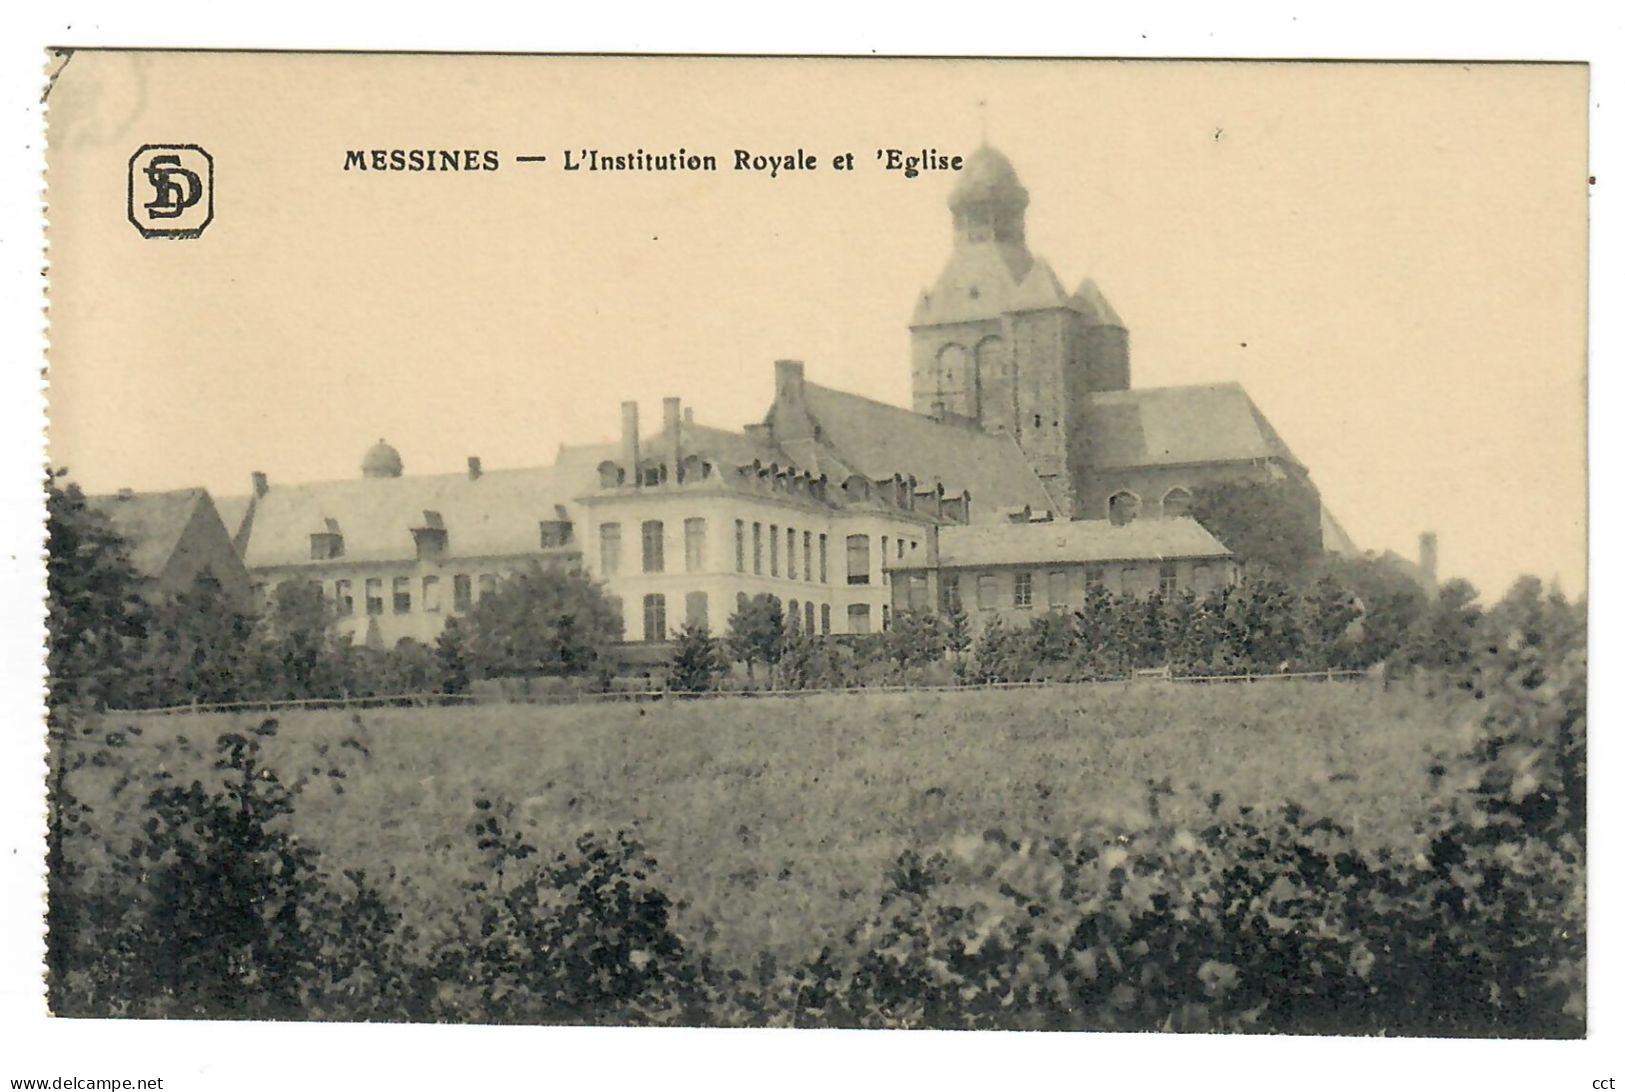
988,176
381,461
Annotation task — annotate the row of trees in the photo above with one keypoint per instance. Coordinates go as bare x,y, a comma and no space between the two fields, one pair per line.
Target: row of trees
116,646
1351,615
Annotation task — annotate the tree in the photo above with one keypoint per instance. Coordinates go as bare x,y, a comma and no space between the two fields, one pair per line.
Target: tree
1442,638
198,648
697,659
300,654
1391,602
541,621
916,638
1268,525
94,605
756,632
956,635
1329,612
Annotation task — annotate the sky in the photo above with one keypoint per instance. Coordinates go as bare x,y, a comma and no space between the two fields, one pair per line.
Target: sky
1390,258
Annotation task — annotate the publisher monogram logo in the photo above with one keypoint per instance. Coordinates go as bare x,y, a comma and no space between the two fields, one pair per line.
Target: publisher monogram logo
171,191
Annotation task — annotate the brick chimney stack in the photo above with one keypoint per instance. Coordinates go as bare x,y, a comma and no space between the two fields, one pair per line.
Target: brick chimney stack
474,470
674,437
630,456
1428,559
262,484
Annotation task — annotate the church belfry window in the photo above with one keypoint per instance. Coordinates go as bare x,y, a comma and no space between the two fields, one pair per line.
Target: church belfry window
1122,508
1176,502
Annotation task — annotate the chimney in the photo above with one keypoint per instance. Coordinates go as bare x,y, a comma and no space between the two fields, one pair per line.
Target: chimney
1428,558
126,493
474,470
262,484
688,415
791,420
674,438
629,441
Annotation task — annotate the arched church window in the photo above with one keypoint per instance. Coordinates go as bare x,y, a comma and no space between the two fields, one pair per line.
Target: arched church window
1176,502
1122,508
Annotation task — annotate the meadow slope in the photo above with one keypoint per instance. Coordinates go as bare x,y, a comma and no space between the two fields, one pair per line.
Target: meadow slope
773,819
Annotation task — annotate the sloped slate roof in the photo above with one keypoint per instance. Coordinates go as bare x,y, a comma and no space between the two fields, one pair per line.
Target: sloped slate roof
496,514
152,523
232,510
879,440
1159,426
1071,541
721,447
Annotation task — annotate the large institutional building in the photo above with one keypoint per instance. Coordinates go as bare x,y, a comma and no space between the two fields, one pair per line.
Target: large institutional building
1024,420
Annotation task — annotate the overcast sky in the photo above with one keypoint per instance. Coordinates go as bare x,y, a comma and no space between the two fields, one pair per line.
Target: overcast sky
1391,259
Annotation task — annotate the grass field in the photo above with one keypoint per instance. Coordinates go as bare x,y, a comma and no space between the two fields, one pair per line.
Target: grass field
773,819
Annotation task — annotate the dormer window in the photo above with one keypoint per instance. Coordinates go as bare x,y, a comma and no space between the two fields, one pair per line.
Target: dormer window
430,538
327,544
557,533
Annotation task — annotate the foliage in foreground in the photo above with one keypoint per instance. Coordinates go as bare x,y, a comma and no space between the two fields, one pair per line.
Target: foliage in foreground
1256,918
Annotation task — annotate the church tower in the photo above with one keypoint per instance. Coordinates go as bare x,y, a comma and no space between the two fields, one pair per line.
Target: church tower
999,343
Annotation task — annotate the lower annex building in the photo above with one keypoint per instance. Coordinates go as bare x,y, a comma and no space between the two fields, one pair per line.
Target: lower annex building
1028,470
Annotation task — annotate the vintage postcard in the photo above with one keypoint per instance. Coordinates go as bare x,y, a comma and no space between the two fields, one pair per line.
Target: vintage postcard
818,543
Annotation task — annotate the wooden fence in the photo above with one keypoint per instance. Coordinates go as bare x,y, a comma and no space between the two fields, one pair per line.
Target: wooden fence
425,700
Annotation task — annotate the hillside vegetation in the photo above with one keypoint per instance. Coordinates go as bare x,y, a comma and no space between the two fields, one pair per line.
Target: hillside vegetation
772,819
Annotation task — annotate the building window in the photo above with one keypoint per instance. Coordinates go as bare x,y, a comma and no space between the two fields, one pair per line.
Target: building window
462,592
900,549
488,584
809,611
431,593
1122,508
792,616
654,546
609,549
823,563
739,545
857,559
885,577
1094,579
987,591
919,590
654,617
1168,581
857,618
790,552
375,595
1024,590
1058,592
806,559
756,548
694,545
950,592
697,609
823,619
402,593
326,546
343,597
885,617
1176,502
773,549
556,533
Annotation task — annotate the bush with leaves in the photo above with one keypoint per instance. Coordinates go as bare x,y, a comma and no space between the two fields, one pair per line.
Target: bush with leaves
697,660
756,632
583,936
